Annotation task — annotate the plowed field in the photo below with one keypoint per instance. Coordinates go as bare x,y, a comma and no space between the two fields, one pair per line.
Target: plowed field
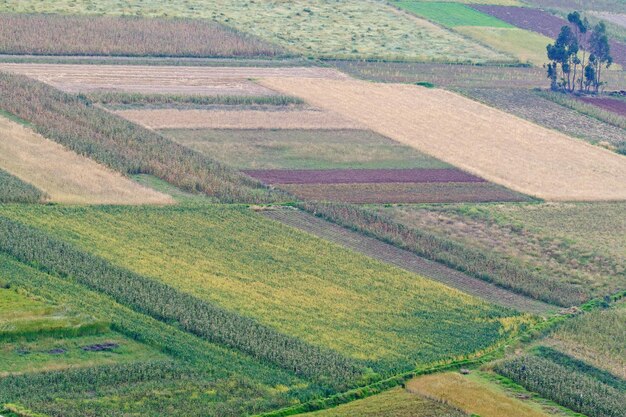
481,140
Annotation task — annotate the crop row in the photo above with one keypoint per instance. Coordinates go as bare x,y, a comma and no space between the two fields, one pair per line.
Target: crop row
565,385
14,190
474,262
165,303
74,122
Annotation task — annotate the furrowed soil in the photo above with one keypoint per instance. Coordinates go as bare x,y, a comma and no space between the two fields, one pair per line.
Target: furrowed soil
450,192
361,176
612,105
406,260
65,176
238,119
162,79
472,136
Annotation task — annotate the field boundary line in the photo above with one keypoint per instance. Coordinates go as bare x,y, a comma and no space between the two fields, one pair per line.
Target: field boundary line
407,260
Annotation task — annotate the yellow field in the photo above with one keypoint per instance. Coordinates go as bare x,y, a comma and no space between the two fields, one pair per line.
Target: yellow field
482,140
473,395
524,45
65,176
234,119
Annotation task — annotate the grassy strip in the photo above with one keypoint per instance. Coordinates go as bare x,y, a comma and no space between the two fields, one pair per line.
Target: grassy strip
88,130
163,302
585,108
86,329
564,385
490,268
14,190
116,99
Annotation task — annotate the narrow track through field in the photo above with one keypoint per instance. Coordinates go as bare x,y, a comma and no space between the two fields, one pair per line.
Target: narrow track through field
406,260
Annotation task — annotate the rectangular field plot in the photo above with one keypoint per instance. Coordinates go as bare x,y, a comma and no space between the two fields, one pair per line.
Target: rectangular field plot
162,79
404,193
581,261
285,279
615,106
64,175
303,149
125,36
451,14
238,119
481,140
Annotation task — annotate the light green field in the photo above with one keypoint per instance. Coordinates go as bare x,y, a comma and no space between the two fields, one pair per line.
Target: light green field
303,149
289,280
494,2
320,28
451,14
527,46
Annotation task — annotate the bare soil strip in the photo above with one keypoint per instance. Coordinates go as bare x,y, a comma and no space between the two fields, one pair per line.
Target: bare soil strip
360,176
406,260
64,175
472,136
233,119
163,79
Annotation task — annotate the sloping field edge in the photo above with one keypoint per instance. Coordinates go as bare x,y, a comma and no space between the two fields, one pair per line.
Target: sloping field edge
404,259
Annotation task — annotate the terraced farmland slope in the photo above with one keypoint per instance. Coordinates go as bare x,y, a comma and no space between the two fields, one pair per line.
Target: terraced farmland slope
64,175
529,159
321,28
287,280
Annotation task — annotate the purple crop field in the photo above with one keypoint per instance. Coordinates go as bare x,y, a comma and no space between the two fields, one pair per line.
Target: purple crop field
542,22
361,176
609,104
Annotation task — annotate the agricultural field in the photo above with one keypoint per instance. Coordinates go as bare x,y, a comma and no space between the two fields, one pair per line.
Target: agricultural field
125,36
538,108
64,176
303,149
273,259
616,18
14,190
268,118
545,238
450,14
612,105
323,29
450,129
601,5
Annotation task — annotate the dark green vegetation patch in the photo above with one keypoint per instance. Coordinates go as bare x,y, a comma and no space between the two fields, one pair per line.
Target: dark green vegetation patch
14,190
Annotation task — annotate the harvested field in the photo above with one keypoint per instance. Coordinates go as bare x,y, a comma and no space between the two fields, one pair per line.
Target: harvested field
404,193
610,104
543,22
361,176
530,159
351,29
125,36
234,119
162,79
616,18
65,176
474,395
460,76
537,109
527,46
303,149
409,261
606,5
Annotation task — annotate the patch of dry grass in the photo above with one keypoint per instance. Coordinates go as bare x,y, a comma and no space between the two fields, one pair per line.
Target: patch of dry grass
474,137
64,175
237,119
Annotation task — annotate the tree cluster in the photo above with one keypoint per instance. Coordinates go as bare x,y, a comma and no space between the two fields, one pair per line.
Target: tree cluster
578,56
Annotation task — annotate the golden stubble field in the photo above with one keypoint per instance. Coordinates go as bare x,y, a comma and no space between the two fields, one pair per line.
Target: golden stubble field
64,175
482,140
238,119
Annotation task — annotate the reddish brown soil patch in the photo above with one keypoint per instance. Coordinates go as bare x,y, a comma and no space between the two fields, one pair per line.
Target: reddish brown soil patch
102,347
542,22
609,104
361,176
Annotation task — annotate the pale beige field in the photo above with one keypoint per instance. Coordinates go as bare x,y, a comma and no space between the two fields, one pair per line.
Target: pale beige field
472,136
235,119
64,175
473,394
163,79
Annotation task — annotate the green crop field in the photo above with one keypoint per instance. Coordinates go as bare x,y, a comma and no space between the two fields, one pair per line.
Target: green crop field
302,149
451,14
14,190
285,279
321,28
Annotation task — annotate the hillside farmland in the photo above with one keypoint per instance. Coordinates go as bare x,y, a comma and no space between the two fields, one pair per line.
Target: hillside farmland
568,169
